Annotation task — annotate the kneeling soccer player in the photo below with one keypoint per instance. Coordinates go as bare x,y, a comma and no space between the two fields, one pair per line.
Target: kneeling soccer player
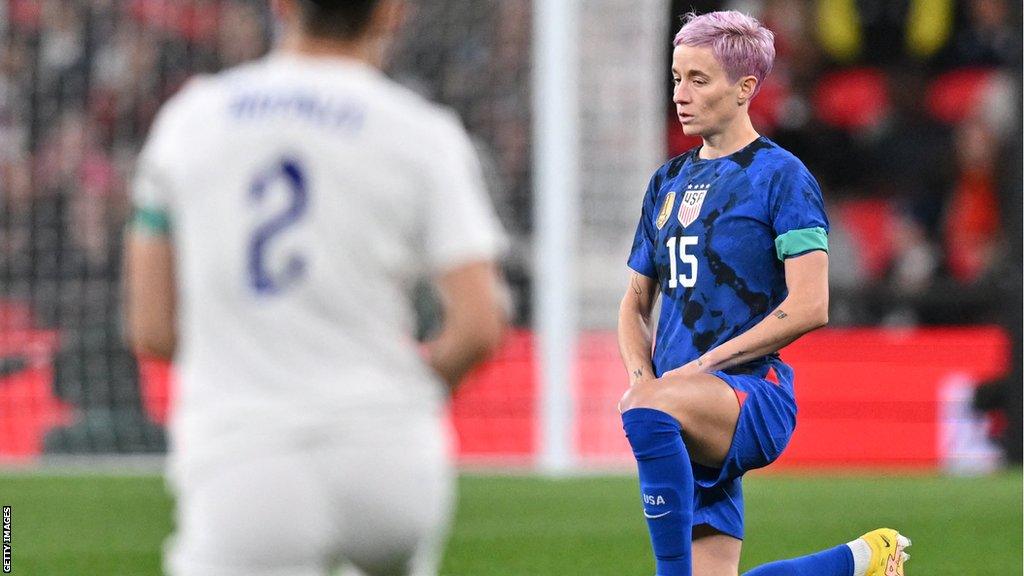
285,209
734,234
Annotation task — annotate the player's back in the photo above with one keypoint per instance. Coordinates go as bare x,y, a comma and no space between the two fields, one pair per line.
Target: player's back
307,196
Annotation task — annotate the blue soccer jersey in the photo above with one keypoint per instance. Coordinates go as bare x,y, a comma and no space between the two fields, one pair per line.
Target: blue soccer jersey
715,234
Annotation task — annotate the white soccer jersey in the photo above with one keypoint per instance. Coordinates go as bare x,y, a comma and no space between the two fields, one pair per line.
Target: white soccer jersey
305,197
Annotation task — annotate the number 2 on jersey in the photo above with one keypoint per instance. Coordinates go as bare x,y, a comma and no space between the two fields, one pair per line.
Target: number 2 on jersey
689,278
261,278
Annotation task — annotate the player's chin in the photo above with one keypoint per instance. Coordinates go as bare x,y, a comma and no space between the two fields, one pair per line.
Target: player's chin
690,128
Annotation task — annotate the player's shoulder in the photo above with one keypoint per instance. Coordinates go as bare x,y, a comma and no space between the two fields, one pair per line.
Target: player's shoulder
415,115
179,116
765,156
768,165
202,94
426,127
674,166
186,98
205,91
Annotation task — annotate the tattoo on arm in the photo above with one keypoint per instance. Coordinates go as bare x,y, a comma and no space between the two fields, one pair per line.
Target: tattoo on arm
738,353
780,314
638,373
636,286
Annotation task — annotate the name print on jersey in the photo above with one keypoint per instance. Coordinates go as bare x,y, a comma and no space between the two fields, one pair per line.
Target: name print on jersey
311,108
693,199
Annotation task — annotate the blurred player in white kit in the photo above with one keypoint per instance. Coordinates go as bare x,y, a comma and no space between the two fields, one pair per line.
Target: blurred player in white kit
284,211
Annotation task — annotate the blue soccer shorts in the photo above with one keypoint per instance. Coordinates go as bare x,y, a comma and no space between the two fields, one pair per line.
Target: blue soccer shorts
766,423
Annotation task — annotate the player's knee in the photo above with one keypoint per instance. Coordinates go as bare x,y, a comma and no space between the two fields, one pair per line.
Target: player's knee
640,395
648,394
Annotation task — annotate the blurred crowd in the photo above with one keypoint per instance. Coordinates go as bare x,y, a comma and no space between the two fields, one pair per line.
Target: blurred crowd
80,83
909,114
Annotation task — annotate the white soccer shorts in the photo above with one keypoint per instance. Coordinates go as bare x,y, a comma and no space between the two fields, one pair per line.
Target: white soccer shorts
377,504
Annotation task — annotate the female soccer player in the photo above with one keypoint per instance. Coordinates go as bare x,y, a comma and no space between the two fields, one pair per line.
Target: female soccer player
734,234
284,210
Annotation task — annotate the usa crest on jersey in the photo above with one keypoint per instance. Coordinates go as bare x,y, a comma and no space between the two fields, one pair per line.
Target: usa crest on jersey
693,199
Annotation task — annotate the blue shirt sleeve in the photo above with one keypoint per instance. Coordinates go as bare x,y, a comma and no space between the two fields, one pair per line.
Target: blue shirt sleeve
641,257
797,211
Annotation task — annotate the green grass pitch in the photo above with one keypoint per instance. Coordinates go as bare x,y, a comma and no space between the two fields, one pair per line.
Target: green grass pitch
90,524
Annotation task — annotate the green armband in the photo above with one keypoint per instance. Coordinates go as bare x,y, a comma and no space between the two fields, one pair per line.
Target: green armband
151,222
796,242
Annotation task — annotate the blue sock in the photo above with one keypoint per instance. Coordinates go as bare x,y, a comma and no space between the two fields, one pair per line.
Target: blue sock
836,561
666,486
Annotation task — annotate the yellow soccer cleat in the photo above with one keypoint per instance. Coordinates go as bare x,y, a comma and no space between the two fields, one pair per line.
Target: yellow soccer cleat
887,555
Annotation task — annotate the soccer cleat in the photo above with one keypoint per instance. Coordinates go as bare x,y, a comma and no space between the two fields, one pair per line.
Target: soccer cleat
887,555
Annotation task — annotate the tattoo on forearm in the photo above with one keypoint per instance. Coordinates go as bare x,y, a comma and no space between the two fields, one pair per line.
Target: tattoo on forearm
739,353
638,373
700,362
780,314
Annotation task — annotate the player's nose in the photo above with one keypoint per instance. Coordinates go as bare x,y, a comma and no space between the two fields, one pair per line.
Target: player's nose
680,95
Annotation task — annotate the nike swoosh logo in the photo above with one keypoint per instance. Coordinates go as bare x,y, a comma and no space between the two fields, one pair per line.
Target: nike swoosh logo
886,540
653,516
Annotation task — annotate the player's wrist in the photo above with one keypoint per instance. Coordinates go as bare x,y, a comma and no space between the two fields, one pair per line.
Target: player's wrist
639,374
706,363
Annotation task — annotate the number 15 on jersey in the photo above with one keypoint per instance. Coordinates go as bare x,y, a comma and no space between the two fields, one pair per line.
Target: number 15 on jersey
688,278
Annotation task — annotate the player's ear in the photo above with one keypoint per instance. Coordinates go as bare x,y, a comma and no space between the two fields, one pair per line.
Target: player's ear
747,86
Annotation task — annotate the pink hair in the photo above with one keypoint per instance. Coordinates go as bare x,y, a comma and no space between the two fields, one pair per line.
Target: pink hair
739,42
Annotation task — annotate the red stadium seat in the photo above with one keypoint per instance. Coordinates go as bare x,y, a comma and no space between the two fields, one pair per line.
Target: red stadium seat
852,99
28,407
870,223
956,94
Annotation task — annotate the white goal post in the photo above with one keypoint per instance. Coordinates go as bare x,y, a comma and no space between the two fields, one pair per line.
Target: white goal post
598,107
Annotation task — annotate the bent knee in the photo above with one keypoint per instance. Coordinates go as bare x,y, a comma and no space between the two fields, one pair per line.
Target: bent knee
684,399
646,394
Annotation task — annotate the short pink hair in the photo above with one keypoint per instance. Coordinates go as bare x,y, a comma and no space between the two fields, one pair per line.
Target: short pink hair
741,44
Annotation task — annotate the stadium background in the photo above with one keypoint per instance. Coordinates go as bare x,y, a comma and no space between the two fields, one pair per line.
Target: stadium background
908,112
